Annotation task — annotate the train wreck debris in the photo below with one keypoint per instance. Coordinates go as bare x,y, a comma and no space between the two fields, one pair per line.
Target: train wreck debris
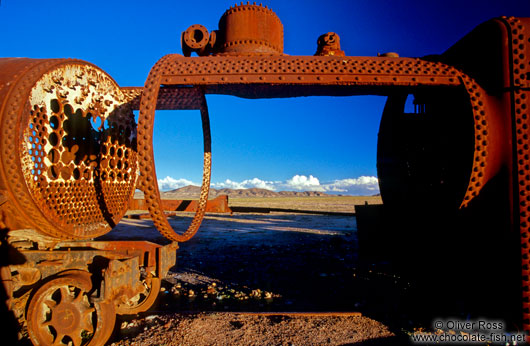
71,154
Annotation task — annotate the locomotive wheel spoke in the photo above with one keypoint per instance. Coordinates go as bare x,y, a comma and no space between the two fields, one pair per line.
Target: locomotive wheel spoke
64,294
58,339
50,304
76,339
73,320
78,299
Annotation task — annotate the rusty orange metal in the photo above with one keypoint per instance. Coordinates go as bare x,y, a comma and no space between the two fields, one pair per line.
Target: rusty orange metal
61,305
216,205
243,30
70,152
68,148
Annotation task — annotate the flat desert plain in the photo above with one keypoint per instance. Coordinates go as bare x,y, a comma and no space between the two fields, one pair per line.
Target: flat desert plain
245,263
343,204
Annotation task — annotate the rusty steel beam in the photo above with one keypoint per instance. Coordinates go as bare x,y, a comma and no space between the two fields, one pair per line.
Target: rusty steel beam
516,96
216,205
257,76
224,75
168,99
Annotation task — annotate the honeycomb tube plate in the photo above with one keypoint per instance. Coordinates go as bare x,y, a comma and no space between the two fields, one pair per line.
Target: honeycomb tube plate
68,149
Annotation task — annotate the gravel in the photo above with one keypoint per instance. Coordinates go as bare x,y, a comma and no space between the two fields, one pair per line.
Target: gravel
226,328
260,263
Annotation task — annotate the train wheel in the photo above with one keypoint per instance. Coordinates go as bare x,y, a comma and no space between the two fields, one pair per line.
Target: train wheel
142,301
61,313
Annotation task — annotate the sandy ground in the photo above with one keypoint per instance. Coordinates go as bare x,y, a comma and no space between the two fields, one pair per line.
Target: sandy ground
265,262
209,329
282,262
293,262
344,204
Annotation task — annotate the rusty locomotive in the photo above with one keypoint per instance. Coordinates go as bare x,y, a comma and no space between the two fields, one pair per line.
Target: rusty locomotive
72,155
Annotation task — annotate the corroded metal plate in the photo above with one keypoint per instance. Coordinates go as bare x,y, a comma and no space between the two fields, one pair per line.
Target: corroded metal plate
74,149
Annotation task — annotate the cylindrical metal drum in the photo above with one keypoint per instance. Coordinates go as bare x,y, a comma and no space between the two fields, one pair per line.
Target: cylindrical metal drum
68,147
251,29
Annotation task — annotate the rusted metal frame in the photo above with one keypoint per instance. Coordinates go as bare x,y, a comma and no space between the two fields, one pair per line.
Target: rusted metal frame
151,255
40,264
78,255
3,197
490,133
120,269
182,98
166,259
325,75
215,205
112,245
121,280
147,180
52,262
144,250
308,70
120,276
518,87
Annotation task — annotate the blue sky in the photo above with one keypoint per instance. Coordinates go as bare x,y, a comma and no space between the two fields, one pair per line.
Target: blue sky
315,143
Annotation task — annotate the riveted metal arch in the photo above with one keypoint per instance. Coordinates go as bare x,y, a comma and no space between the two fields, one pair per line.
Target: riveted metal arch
290,76
147,180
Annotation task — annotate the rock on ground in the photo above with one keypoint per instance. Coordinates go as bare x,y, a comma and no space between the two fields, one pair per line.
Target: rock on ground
220,329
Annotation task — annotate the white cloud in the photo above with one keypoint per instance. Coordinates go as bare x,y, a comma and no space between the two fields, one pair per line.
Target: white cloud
303,183
245,184
169,183
363,185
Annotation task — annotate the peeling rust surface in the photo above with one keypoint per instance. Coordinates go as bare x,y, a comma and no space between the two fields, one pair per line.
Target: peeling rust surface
216,205
68,148
243,30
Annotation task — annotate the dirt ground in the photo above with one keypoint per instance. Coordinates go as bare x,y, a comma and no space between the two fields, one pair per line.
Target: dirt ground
343,204
209,329
295,262
277,262
243,265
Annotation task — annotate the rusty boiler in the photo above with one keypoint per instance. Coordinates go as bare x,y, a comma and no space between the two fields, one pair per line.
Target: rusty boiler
72,156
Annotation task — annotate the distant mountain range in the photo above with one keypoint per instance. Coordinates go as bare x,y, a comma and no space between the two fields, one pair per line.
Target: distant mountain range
192,192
